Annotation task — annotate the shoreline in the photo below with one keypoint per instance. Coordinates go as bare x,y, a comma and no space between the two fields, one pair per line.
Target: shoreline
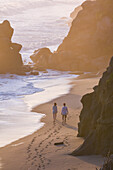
37,144
20,116
42,115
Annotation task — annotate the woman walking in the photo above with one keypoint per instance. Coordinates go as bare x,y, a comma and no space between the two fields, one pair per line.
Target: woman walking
54,112
64,113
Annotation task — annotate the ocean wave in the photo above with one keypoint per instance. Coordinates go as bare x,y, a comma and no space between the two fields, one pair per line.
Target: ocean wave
12,7
12,86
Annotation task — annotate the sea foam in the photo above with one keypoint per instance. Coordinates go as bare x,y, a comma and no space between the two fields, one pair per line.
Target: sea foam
23,93
37,24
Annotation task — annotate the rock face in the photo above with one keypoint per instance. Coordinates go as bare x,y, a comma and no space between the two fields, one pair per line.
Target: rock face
90,38
10,58
41,58
96,118
75,12
88,45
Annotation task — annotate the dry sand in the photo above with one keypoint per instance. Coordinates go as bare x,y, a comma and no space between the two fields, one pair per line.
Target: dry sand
38,152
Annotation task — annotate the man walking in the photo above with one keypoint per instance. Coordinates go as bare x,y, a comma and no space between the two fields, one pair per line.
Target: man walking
64,113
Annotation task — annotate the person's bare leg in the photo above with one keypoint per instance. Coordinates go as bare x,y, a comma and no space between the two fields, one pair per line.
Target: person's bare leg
62,119
54,118
65,119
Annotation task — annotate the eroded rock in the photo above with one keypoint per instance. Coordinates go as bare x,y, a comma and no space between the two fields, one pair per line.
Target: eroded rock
88,45
10,58
96,118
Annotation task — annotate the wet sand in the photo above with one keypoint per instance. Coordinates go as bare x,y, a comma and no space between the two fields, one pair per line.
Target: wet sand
38,152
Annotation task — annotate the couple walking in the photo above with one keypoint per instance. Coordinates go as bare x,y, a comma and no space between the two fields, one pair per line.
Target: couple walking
64,112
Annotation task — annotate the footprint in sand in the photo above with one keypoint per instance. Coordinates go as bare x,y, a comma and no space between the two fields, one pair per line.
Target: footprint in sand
34,157
33,140
46,146
32,163
41,150
28,151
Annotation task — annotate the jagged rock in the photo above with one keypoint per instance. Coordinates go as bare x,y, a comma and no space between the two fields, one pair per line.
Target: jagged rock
108,163
34,73
42,53
45,71
41,59
96,118
16,46
75,12
10,58
6,30
27,68
88,45
90,35
39,68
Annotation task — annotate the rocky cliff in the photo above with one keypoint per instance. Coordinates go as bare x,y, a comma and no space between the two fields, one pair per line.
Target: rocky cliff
96,118
89,43
10,58
74,14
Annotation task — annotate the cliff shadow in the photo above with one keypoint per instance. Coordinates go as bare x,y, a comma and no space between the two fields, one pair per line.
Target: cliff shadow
96,160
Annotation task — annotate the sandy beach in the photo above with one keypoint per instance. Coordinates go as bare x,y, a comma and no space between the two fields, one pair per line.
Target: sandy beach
38,152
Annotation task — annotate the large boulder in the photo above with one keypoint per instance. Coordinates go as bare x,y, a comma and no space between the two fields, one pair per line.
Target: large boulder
40,54
96,118
41,58
10,58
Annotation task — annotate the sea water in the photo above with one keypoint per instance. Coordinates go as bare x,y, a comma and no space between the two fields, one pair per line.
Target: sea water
19,94
37,24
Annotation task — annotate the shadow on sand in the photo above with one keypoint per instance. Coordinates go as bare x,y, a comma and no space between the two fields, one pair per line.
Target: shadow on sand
67,125
92,159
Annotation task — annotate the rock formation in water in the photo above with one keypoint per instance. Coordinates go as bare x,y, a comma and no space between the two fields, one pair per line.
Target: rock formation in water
41,58
96,118
89,43
10,58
